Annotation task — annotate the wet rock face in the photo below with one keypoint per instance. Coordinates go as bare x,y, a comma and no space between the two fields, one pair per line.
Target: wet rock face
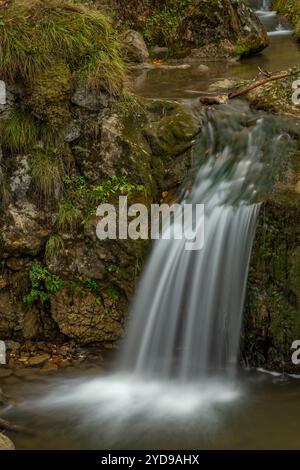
148,144
85,318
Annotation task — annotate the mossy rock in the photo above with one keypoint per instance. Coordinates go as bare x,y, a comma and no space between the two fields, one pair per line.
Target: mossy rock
272,316
49,94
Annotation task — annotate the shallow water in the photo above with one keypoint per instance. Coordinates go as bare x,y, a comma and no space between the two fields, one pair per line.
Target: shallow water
257,411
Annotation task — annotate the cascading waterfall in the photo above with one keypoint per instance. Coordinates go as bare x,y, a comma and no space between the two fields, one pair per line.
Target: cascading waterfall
186,318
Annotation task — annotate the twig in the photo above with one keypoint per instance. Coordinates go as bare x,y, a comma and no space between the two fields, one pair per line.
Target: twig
243,91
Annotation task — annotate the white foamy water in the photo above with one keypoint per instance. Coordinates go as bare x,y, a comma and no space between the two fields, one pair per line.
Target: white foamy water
122,398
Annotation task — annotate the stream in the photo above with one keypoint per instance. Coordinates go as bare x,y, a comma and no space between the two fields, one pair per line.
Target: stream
121,410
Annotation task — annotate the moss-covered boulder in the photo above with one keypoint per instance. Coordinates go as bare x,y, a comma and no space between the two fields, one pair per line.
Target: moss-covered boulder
208,29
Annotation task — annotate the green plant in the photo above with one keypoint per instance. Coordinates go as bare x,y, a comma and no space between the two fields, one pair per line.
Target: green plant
19,131
113,292
115,185
68,217
54,244
43,284
90,284
160,28
46,176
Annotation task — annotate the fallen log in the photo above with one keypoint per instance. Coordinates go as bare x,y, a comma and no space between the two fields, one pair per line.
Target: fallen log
221,99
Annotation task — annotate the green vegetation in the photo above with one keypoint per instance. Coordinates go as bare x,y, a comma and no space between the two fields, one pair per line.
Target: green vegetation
46,176
47,46
115,185
69,217
292,9
161,26
87,284
19,131
37,34
43,284
247,46
49,93
54,244
130,105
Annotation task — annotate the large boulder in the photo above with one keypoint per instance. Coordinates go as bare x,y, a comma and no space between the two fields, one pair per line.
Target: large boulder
135,46
222,28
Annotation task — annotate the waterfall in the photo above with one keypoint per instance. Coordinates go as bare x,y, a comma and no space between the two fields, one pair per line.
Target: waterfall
182,344
186,318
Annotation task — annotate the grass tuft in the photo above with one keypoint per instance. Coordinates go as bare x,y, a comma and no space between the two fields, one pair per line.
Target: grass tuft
54,244
37,34
19,131
46,177
69,217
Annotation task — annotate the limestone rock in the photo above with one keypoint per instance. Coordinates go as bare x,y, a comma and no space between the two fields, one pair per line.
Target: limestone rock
20,177
135,46
38,360
77,260
6,443
24,229
89,100
85,318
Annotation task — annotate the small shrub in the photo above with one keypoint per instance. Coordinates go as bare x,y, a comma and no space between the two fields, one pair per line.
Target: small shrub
43,284
115,185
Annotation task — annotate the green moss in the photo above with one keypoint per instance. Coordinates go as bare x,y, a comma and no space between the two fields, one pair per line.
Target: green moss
49,94
160,27
244,47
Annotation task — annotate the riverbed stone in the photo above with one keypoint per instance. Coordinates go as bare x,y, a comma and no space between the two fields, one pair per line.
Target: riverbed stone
6,443
135,46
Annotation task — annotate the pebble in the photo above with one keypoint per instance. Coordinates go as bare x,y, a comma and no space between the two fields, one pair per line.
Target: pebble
6,443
